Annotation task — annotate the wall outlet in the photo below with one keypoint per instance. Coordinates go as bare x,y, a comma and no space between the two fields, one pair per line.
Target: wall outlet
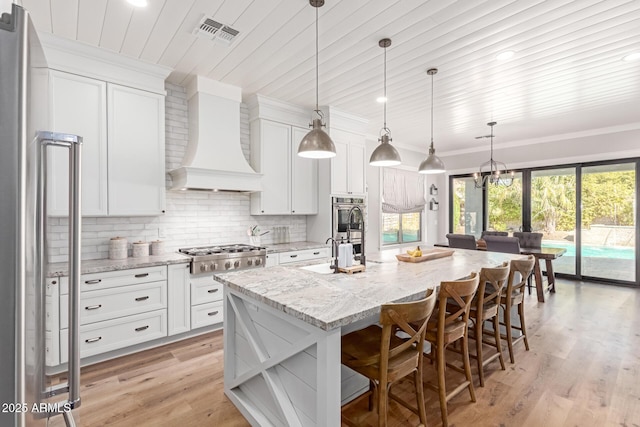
162,233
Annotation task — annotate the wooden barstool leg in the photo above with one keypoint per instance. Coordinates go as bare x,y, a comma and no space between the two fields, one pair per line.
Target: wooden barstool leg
422,413
507,323
478,324
442,391
467,365
496,334
522,325
383,396
372,390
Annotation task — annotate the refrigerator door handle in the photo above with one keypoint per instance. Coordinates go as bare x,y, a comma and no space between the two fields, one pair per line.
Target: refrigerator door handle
74,144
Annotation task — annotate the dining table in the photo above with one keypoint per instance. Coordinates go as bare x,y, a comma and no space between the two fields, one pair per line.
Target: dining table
545,253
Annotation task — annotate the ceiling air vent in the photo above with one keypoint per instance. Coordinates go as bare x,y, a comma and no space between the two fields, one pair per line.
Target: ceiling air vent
214,30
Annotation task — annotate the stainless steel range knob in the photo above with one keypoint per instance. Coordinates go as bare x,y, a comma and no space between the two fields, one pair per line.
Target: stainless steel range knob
213,266
203,267
249,262
236,264
227,265
258,261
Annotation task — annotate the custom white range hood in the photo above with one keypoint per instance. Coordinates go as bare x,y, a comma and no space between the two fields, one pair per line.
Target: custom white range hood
214,160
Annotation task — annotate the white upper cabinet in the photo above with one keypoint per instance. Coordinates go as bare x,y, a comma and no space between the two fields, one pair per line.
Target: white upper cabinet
136,151
78,105
348,167
117,105
289,182
304,183
271,154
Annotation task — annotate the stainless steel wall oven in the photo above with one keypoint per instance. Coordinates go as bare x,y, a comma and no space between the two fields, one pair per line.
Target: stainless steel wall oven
348,220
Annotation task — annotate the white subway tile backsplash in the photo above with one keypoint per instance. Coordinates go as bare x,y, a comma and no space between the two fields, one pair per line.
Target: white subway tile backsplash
191,218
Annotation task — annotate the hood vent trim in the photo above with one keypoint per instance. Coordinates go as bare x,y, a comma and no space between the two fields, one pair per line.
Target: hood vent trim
214,160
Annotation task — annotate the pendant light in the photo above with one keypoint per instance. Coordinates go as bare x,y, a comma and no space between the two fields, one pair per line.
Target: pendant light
492,171
385,154
317,144
432,164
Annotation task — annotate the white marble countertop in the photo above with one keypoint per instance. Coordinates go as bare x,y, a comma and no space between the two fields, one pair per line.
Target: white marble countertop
330,301
102,265
294,246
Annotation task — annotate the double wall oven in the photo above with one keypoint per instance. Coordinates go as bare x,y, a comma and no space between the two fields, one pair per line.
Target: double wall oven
348,221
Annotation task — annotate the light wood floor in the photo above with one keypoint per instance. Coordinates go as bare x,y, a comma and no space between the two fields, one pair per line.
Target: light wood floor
583,370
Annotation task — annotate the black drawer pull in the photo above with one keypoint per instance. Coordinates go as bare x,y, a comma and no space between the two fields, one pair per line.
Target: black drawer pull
92,282
141,275
293,256
53,282
142,298
316,253
142,328
213,313
90,340
93,307
212,291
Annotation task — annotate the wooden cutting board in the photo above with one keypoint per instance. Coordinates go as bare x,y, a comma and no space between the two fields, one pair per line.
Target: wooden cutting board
427,254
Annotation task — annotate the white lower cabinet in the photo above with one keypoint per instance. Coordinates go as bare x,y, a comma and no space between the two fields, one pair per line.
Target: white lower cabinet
206,314
303,255
117,333
179,299
122,308
206,301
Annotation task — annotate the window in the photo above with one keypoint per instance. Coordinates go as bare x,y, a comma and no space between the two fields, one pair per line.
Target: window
403,201
401,228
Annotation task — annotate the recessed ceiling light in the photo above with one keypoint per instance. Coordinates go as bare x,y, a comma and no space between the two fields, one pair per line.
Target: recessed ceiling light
138,3
381,99
631,57
505,55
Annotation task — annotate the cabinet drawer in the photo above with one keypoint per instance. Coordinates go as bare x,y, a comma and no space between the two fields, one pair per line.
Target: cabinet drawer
206,314
105,304
205,289
117,333
52,348
303,255
112,279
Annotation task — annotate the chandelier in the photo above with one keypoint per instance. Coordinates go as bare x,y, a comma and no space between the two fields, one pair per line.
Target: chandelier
492,171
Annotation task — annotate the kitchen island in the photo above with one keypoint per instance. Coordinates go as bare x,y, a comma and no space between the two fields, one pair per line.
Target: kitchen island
282,329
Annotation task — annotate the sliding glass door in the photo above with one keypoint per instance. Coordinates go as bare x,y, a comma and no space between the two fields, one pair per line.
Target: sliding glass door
608,232
467,207
589,209
504,205
553,213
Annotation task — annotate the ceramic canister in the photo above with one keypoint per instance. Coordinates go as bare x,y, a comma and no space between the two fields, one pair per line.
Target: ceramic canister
118,248
157,247
140,249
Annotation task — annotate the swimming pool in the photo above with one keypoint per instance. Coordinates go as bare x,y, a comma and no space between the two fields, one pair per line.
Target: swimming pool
615,252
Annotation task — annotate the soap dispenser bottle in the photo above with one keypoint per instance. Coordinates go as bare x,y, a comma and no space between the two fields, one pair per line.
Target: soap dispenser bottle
342,254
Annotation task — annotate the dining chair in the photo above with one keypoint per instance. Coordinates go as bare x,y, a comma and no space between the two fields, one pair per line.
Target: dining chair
462,241
450,325
513,295
529,240
493,233
502,244
485,307
378,354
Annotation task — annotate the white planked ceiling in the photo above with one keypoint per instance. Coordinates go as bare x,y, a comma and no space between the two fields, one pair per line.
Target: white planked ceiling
567,75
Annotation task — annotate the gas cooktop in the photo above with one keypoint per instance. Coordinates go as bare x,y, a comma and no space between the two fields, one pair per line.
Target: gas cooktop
206,259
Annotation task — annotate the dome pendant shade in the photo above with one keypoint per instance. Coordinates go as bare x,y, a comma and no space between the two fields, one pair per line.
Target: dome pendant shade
316,144
385,154
432,164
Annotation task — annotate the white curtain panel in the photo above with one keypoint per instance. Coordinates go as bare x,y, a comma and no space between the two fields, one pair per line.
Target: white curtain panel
403,191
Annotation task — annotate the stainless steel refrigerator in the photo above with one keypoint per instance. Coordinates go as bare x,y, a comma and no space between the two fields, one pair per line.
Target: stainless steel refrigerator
25,394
